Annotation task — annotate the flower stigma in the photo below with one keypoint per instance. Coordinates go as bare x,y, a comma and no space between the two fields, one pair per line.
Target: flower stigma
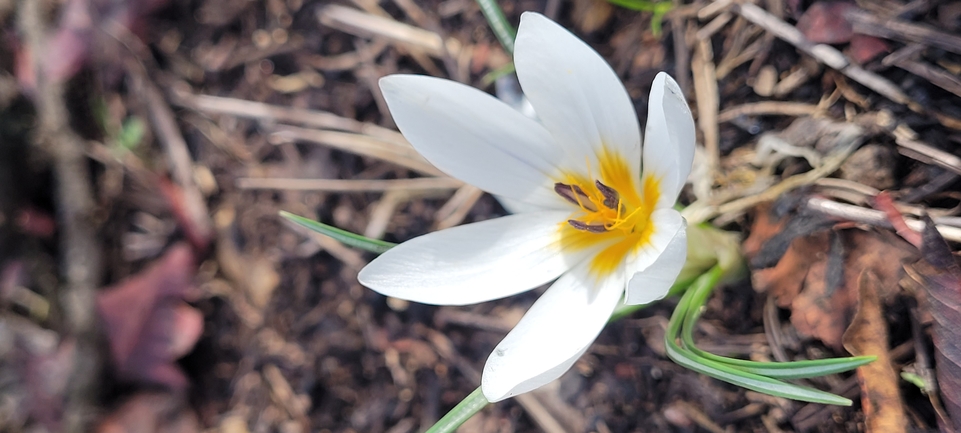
613,211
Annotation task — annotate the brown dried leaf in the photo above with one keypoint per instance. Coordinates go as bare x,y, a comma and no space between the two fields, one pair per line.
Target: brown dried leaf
148,323
816,277
868,335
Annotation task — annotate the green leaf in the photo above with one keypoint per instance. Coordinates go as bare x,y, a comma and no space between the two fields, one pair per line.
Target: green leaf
502,29
643,5
722,371
131,133
659,9
777,370
469,406
915,380
492,76
343,236
751,381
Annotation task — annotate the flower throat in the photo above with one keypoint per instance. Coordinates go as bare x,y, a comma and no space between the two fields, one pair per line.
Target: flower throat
602,207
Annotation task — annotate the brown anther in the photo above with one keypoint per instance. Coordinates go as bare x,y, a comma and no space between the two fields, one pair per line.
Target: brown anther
611,199
575,195
593,228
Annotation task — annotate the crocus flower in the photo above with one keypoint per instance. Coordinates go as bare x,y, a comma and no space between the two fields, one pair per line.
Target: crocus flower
597,207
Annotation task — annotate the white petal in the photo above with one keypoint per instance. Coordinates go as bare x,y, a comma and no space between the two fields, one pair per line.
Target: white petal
668,138
575,93
517,206
553,334
472,136
475,262
653,270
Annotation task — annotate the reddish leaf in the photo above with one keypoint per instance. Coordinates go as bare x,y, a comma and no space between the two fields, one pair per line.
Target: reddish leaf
69,45
865,48
46,376
148,323
883,202
194,226
824,23
35,222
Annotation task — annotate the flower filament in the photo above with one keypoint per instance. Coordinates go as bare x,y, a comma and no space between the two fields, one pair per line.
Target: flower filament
613,211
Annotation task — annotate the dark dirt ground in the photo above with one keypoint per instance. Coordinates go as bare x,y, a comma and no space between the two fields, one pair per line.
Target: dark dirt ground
114,158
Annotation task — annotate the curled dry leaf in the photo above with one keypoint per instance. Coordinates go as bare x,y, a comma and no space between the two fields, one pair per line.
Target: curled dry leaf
868,335
941,276
148,323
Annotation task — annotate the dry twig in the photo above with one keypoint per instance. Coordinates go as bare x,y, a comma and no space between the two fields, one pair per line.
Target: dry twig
823,53
79,246
345,185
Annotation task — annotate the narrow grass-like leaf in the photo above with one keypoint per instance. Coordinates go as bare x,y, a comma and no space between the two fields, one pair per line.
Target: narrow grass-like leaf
915,380
502,29
470,405
492,76
727,373
751,381
658,9
643,5
343,236
776,370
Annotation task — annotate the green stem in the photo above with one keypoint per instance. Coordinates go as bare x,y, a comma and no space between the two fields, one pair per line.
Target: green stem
470,405
502,29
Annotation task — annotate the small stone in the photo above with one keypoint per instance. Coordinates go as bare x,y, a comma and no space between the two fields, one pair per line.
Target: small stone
765,81
872,165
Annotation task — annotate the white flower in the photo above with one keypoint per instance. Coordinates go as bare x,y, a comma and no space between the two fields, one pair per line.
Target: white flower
602,224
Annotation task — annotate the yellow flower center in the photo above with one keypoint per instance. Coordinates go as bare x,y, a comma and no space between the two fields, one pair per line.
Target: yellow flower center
613,211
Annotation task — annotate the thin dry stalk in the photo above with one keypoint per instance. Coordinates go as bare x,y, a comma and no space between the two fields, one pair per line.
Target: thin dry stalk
708,102
364,24
867,23
907,140
823,53
767,108
904,59
382,211
455,210
181,165
281,114
847,141
360,144
76,212
873,217
343,185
